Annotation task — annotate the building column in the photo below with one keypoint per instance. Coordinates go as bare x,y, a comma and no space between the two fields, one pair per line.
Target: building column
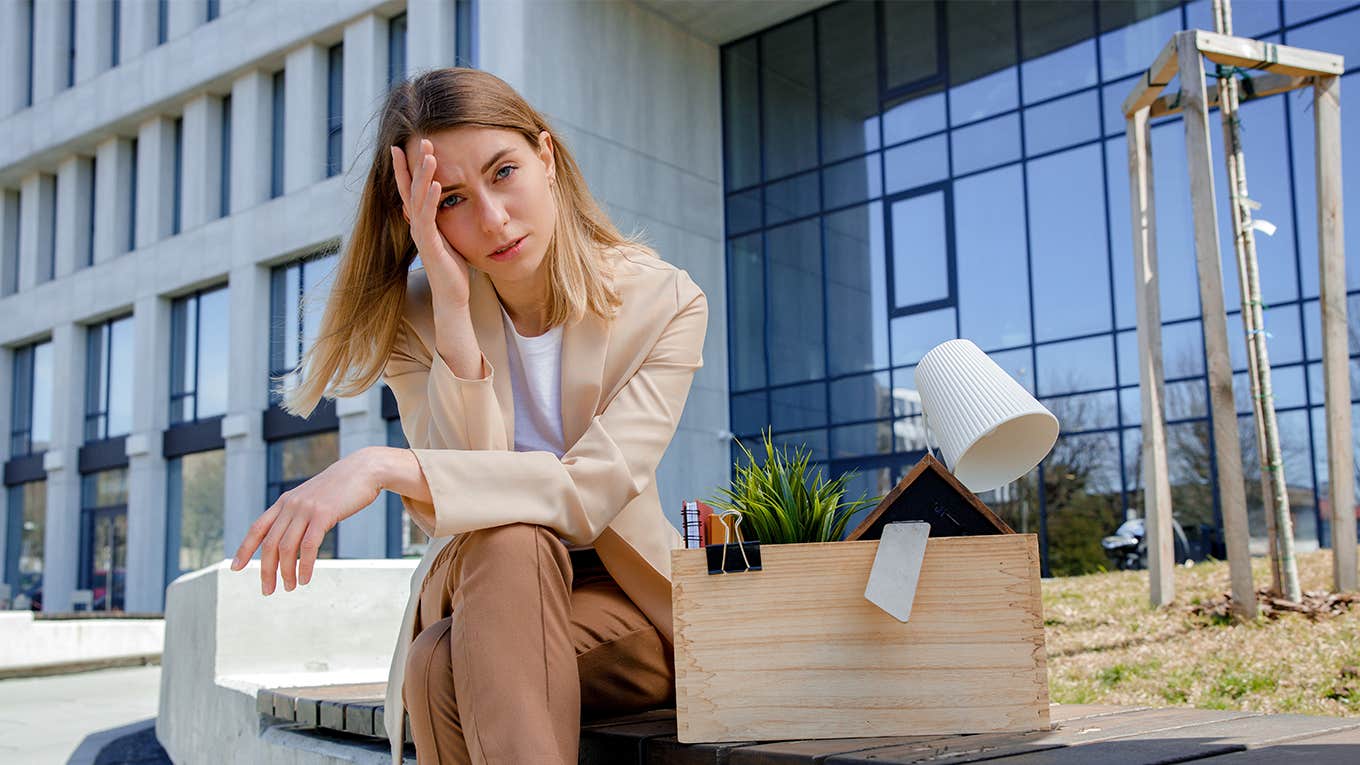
185,17
430,34
304,139
13,56
365,88
137,34
74,207
202,168
35,229
364,534
50,53
61,547
155,180
94,41
113,200
146,462
247,398
250,114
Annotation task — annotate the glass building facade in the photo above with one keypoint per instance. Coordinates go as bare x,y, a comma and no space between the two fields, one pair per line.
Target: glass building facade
898,174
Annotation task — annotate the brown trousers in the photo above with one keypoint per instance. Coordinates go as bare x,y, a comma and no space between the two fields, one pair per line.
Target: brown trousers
517,641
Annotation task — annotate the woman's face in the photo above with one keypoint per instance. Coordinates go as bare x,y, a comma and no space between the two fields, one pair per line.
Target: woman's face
494,190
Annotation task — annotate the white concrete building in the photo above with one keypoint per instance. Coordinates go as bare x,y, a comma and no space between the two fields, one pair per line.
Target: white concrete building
168,192
850,183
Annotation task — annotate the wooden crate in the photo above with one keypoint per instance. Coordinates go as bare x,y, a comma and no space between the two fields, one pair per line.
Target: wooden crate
794,651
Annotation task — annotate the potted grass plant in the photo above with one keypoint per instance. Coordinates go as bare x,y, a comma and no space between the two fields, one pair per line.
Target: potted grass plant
780,503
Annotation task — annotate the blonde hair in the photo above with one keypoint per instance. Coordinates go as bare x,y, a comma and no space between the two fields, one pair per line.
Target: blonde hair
363,312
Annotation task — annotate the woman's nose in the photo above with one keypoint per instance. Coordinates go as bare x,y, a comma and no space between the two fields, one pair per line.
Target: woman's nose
493,214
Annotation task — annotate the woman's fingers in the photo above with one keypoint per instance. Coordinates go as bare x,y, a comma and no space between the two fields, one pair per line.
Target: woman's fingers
311,547
421,210
402,171
288,551
269,554
254,536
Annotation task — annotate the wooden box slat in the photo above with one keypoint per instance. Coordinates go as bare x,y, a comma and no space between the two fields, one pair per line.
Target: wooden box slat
794,651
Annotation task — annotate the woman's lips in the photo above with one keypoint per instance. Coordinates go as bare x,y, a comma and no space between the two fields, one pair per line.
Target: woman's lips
512,252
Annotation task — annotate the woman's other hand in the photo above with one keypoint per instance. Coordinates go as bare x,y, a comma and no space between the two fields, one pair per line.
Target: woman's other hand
292,529
420,197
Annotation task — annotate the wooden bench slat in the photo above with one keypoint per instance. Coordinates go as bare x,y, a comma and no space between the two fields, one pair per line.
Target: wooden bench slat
988,746
1340,748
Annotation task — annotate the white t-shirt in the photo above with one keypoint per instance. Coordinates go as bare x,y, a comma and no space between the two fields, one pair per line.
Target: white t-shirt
535,378
535,375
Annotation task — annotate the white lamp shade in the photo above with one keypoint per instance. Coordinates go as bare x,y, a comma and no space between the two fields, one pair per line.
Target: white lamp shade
990,429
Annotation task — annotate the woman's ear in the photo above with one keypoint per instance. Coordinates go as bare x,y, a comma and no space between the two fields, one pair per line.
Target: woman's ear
545,153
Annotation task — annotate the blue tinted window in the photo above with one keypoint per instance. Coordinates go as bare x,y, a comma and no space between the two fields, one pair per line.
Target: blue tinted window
276,136
335,109
794,303
913,117
1076,365
298,293
465,41
224,171
786,200
852,181
116,33
847,66
982,57
915,334
1061,123
912,50
1069,263
788,105
396,49
989,236
986,144
1135,35
918,163
177,191
919,230
856,290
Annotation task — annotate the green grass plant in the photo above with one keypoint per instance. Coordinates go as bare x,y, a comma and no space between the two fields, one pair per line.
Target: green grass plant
781,503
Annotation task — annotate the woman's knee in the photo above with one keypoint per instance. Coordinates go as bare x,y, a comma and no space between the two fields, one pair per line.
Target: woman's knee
429,666
509,541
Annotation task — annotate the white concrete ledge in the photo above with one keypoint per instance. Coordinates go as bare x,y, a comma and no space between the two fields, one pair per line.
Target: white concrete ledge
225,641
36,644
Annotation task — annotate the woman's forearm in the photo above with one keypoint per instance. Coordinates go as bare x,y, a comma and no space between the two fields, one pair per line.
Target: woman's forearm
456,342
398,471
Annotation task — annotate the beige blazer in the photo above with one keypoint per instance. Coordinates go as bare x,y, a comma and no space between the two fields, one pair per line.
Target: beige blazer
624,385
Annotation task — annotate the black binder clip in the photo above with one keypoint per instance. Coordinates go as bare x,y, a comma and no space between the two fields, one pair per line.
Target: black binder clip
718,561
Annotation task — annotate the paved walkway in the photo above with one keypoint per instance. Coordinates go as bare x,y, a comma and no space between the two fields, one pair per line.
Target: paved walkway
45,719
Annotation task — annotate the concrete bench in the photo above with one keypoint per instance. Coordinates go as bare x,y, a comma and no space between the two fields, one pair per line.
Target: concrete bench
1081,734
297,678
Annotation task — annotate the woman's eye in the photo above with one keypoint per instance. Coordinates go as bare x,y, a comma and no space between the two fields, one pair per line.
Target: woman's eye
503,172
448,201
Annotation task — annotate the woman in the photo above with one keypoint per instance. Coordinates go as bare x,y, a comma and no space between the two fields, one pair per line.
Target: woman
540,361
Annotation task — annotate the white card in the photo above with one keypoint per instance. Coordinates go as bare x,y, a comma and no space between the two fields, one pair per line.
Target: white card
897,567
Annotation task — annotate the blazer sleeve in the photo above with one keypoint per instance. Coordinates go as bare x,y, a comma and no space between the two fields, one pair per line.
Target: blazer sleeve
613,462
438,408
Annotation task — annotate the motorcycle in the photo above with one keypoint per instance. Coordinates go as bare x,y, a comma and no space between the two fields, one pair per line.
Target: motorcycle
1127,546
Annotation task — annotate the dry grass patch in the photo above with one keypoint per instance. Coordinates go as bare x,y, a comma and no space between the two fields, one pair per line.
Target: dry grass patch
1106,645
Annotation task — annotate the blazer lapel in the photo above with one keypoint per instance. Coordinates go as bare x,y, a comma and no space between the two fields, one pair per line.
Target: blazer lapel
485,307
584,344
